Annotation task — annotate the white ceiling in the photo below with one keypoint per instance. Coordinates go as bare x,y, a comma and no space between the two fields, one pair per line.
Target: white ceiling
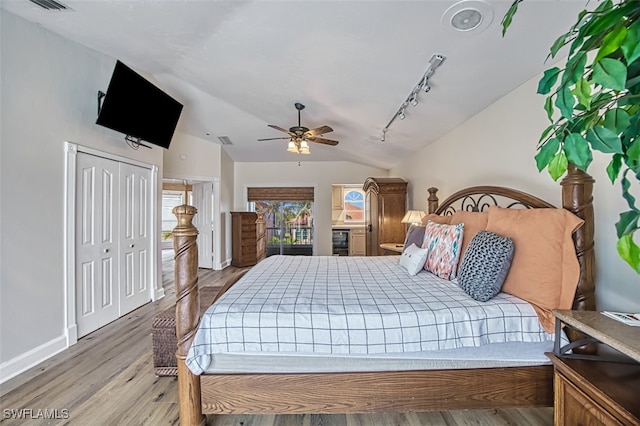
240,65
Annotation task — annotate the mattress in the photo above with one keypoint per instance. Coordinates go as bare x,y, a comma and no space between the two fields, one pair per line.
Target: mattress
515,354
355,307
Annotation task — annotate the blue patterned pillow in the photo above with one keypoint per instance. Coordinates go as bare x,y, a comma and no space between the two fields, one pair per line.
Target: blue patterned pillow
485,265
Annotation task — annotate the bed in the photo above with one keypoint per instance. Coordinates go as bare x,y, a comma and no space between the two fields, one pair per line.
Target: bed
370,387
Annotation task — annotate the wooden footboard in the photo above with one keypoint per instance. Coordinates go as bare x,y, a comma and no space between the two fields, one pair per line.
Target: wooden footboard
335,393
366,392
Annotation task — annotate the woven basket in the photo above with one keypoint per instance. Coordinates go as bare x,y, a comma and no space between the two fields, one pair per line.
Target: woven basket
163,332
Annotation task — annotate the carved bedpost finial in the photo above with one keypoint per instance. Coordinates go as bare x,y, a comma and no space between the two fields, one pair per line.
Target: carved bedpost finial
577,197
187,312
432,201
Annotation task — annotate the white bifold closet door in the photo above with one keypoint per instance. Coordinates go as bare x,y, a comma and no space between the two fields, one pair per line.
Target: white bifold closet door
112,240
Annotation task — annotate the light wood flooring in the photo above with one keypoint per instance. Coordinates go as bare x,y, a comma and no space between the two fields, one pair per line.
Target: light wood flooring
107,378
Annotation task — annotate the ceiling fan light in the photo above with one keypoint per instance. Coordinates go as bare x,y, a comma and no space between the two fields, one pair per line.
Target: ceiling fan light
304,150
292,147
304,145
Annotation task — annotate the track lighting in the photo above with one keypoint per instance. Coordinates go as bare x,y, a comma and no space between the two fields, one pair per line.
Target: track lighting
412,99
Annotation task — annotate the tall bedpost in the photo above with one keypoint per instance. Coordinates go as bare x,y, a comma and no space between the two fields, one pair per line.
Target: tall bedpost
432,201
577,197
187,312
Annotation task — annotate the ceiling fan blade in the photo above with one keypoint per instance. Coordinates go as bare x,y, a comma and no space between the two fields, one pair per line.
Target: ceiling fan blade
318,131
324,141
271,139
278,128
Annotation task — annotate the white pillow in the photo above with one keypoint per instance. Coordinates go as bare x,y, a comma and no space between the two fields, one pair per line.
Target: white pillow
412,259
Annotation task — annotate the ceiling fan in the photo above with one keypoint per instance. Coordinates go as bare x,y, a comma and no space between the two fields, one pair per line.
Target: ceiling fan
300,135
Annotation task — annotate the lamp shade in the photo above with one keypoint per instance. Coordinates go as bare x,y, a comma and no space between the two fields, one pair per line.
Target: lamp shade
413,216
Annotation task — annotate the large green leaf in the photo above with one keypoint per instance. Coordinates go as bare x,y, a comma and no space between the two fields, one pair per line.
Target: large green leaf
633,153
565,102
548,80
629,251
582,91
627,223
612,14
611,42
610,73
604,140
614,166
575,68
508,17
546,153
626,194
617,119
578,151
631,45
557,45
558,165
548,107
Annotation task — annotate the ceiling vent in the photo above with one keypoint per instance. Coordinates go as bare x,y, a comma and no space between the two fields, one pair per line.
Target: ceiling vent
224,140
468,16
50,5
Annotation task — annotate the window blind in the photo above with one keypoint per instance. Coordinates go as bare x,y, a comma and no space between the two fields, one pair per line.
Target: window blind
280,193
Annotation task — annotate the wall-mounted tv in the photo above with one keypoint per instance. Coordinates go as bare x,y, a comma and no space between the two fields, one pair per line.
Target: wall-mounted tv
134,106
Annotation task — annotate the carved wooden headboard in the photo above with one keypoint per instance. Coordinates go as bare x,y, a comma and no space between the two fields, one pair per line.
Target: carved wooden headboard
577,190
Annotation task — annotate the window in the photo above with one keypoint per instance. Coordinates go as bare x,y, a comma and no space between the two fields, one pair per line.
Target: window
170,199
354,206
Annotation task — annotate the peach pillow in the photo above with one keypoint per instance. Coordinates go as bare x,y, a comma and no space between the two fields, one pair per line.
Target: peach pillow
473,223
545,268
436,218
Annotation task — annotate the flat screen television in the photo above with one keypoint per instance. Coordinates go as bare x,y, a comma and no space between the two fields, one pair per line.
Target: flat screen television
134,106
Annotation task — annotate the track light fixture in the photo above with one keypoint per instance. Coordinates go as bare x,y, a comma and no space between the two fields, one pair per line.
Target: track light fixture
422,86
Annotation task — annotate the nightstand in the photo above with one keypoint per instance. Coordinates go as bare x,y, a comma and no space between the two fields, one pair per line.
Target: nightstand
391,249
597,390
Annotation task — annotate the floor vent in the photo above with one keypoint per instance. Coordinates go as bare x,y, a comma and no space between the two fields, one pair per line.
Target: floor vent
50,4
224,140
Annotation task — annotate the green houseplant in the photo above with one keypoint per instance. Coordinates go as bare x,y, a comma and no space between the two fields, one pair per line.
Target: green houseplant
593,103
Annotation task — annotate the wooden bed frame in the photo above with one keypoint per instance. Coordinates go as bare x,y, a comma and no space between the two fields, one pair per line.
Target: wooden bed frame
400,391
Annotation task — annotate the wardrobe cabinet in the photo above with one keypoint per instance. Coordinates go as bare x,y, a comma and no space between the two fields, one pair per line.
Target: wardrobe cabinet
385,206
248,238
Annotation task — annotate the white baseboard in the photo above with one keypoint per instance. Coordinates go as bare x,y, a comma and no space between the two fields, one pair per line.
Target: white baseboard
225,264
35,356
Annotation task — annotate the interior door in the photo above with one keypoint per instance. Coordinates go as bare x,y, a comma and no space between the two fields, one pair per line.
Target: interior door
135,243
96,242
203,221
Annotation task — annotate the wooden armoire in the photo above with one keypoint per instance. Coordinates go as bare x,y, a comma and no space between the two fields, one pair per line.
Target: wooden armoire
248,238
385,206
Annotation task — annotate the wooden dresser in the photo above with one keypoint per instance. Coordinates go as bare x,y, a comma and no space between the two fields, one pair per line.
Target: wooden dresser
248,238
384,207
596,391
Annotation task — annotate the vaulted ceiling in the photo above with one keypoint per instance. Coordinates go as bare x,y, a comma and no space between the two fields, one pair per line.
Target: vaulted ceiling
238,66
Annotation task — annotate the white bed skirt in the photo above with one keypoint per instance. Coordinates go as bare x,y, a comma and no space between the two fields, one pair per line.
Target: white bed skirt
517,354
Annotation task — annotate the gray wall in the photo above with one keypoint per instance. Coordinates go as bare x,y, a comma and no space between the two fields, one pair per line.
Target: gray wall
49,96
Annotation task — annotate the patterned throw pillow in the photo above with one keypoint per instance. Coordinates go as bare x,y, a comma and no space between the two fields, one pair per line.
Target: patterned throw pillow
485,265
412,259
444,243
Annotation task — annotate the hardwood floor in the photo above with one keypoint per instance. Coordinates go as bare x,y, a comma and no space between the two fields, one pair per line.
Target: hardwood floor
107,378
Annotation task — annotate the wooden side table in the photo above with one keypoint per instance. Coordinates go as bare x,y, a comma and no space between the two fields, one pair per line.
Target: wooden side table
391,249
598,390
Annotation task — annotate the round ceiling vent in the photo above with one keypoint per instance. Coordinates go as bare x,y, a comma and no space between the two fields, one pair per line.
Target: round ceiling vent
468,16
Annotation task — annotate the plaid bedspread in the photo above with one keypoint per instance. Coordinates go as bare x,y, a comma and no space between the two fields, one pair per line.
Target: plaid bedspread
353,305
